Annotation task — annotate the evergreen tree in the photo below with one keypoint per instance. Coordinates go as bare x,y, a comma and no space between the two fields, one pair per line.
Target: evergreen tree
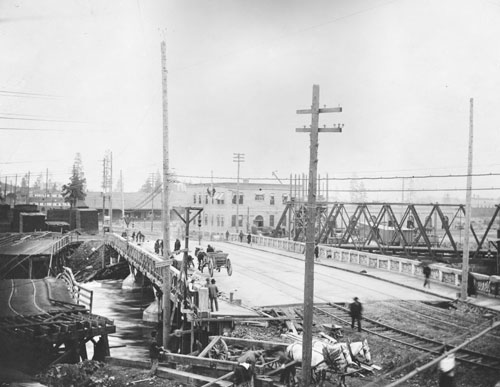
75,190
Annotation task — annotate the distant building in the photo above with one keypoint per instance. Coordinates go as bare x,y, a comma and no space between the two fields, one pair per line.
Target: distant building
260,205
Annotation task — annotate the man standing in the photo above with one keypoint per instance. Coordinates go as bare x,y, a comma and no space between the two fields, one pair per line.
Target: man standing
427,274
356,311
154,354
177,245
241,236
249,238
213,292
316,252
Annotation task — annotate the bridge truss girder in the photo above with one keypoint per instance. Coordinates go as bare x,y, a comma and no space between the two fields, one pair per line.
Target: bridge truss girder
341,224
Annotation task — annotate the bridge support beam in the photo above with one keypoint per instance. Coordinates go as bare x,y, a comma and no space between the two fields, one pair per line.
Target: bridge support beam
134,281
150,314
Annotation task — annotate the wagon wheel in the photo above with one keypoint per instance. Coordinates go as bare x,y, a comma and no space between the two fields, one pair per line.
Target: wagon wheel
229,267
219,351
211,268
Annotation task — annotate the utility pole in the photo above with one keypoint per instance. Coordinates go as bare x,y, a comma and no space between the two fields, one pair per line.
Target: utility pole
46,186
123,199
104,185
468,199
15,190
311,223
166,287
238,158
152,199
28,194
110,185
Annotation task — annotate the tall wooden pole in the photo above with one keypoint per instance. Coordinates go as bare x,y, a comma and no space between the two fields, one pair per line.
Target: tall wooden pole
15,190
110,191
465,262
122,197
311,228
166,288
28,194
46,187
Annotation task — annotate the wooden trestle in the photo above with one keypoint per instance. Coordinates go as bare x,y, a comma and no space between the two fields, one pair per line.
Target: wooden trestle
40,340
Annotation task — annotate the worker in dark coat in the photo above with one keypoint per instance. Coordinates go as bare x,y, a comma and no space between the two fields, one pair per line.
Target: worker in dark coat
356,311
427,274
471,286
177,245
249,238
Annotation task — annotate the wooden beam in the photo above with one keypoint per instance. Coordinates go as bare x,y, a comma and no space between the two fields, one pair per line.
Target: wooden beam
266,345
197,361
214,341
219,379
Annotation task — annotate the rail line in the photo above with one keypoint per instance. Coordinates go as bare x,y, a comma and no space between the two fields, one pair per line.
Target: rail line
341,314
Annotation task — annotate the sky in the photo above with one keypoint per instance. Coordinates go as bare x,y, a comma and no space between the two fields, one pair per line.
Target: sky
85,76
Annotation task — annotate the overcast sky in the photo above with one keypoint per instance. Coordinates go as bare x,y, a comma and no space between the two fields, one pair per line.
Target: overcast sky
402,70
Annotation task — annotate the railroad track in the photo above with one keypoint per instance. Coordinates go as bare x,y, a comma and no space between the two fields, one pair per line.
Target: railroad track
341,314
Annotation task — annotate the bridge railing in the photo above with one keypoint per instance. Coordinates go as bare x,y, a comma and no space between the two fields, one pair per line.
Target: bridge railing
143,261
485,284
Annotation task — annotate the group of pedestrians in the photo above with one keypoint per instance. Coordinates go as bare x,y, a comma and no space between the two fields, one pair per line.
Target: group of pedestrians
139,237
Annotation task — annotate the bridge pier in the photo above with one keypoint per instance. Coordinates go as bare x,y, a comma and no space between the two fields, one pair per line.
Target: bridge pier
150,314
134,281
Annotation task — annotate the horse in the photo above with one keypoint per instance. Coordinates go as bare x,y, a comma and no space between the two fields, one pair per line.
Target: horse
331,357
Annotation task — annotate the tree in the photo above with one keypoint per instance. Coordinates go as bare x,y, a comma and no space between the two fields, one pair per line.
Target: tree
152,183
75,190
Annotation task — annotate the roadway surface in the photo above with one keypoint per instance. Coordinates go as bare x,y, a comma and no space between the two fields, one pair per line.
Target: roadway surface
263,278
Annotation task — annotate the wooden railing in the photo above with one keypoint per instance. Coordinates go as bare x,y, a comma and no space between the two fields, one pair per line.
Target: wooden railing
447,275
144,261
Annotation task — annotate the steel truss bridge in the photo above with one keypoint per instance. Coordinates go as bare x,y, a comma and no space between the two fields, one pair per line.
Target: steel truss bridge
431,230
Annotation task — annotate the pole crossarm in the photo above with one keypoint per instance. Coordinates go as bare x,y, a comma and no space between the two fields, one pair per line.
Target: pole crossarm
320,130
321,110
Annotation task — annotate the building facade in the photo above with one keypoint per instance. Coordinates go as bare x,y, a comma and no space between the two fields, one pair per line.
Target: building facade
247,207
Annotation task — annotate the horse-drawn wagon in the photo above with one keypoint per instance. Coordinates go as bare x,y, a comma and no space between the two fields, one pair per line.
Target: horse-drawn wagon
214,261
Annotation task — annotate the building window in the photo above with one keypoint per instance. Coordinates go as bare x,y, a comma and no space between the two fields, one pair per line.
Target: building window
271,220
285,198
199,198
218,221
194,198
206,219
259,221
222,220
259,197
241,221
271,200
233,220
206,199
234,198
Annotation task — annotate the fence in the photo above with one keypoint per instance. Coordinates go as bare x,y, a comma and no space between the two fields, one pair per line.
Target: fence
485,284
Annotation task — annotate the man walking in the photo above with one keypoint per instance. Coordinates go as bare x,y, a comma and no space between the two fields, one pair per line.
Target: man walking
213,292
356,311
427,274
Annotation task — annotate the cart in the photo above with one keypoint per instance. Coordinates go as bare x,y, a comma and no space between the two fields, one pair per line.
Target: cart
216,261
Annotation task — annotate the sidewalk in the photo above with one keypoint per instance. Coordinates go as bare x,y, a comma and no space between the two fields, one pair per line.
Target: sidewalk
437,289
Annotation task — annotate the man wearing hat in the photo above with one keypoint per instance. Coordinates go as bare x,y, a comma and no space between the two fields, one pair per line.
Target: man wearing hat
356,310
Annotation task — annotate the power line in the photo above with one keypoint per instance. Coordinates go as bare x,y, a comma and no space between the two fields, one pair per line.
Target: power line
38,119
356,178
31,129
9,93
